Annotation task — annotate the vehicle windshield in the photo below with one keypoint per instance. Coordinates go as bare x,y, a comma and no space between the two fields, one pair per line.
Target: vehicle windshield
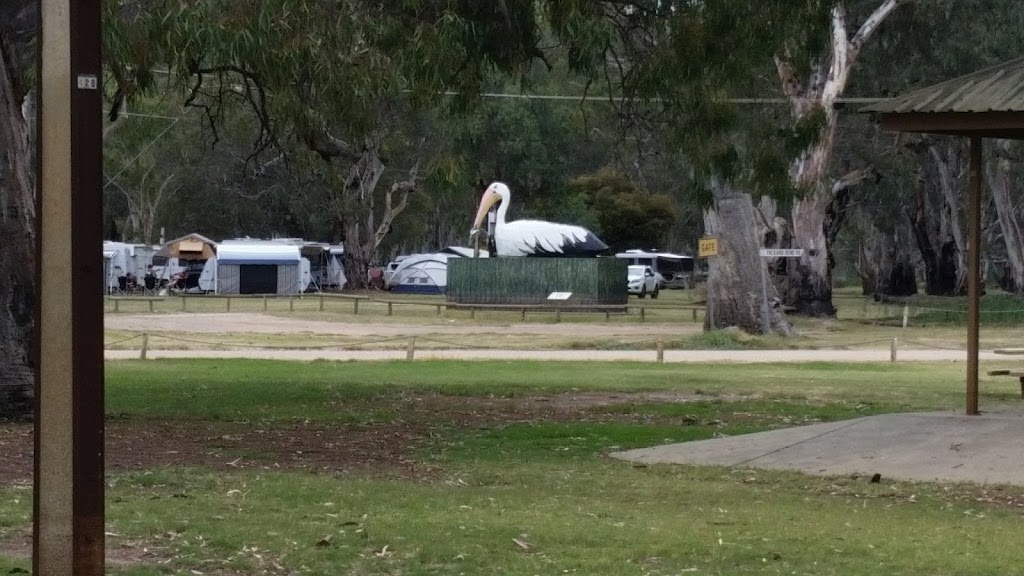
636,271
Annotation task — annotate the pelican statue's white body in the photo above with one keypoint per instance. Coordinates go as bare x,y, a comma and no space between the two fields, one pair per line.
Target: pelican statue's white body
533,237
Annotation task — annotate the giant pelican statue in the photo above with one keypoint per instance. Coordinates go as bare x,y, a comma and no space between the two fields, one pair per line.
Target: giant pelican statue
533,237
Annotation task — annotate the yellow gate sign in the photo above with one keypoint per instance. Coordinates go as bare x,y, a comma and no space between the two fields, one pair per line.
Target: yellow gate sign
708,247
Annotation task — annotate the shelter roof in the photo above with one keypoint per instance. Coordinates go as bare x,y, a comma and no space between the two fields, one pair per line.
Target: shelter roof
986,103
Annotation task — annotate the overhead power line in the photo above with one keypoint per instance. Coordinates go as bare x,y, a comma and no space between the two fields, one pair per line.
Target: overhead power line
595,98
581,98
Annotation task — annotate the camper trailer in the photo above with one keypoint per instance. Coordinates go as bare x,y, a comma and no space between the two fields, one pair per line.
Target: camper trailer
125,265
259,267
671,270
182,262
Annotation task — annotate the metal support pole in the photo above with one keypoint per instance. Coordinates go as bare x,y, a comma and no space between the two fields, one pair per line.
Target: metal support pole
766,325
973,273
710,301
68,495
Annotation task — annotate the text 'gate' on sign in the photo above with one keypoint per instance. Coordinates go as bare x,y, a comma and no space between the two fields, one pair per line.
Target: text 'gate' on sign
707,247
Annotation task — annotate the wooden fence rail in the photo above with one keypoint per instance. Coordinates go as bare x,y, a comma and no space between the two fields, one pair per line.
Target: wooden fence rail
439,307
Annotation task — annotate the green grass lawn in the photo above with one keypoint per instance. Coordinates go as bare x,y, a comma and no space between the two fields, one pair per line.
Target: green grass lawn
518,483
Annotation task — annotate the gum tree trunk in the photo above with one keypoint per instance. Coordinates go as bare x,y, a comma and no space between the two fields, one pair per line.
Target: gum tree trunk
17,238
818,215
1000,180
885,264
936,219
365,228
734,276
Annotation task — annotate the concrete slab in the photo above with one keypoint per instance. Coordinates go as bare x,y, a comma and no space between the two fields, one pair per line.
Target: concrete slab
933,446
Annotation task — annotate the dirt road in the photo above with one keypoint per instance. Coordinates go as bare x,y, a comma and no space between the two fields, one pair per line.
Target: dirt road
706,356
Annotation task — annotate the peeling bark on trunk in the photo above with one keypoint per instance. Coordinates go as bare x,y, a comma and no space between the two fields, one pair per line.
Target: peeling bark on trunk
734,276
1000,180
936,219
17,242
819,214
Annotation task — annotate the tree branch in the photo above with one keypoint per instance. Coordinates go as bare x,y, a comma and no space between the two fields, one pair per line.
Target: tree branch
871,25
405,187
853,178
790,85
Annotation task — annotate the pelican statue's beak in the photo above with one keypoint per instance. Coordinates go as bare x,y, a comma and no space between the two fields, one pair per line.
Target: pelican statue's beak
489,199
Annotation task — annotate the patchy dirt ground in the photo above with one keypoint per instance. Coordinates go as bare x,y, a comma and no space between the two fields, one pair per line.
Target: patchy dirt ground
384,447
220,323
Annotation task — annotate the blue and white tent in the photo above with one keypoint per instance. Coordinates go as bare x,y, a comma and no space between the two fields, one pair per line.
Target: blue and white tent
426,273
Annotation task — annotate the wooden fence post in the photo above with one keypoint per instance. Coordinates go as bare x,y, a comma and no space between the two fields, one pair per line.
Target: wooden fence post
892,349
661,351
183,304
291,303
438,309
906,314
558,315
355,306
150,305
228,301
321,302
410,349
389,308
117,305
643,314
145,346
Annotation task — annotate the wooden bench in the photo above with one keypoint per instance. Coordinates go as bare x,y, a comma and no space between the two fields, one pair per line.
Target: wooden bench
1018,374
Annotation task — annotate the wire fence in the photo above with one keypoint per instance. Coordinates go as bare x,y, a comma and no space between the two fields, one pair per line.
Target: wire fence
359,304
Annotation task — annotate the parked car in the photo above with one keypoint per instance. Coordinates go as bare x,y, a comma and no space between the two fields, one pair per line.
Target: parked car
640,280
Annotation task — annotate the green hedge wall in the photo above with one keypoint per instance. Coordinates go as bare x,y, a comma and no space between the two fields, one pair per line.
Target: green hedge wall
530,280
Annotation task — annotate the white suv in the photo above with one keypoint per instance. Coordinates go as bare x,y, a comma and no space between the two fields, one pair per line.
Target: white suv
641,280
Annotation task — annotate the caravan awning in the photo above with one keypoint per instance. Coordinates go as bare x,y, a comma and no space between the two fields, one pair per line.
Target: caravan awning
273,254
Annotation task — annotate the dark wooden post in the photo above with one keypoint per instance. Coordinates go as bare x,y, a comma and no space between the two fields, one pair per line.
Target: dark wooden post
68,499
973,273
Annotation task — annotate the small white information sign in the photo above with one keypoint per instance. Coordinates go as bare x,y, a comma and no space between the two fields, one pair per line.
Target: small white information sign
88,82
560,296
782,252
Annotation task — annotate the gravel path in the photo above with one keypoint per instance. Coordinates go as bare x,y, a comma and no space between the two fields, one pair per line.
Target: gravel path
236,323
729,356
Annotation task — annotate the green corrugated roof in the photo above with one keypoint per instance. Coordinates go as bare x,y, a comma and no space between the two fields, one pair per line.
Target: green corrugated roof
996,89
